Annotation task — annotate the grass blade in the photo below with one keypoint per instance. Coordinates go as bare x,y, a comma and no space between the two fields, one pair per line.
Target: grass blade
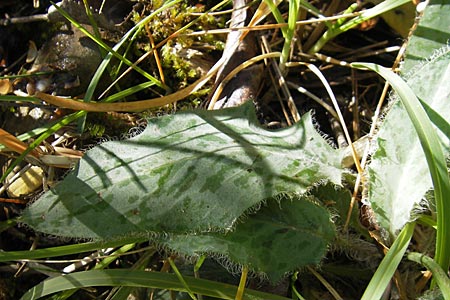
67,120
112,51
388,265
66,250
287,46
140,279
439,275
181,279
366,15
439,121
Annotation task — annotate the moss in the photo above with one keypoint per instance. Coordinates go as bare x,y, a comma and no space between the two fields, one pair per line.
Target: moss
178,68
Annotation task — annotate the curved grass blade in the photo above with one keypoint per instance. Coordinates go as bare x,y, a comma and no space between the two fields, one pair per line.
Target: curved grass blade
141,279
439,275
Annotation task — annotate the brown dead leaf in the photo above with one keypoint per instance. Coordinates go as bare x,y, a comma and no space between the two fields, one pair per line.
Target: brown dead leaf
13,143
32,52
5,86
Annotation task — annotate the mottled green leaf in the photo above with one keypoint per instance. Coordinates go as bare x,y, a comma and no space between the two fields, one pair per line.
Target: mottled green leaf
398,172
431,34
192,171
338,200
279,238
